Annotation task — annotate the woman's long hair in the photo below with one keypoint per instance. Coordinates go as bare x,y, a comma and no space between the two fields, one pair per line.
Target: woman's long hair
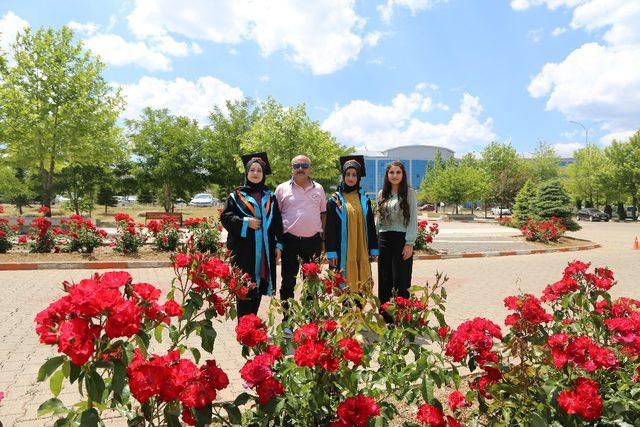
403,189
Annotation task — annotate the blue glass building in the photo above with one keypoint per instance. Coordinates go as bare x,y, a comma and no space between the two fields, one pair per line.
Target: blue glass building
415,159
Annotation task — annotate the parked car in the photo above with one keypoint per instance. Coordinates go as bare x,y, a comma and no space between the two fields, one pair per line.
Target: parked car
122,200
591,214
203,199
179,203
631,211
132,199
59,199
429,207
497,211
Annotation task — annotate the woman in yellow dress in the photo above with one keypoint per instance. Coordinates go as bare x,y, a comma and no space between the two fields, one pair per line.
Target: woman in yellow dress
350,236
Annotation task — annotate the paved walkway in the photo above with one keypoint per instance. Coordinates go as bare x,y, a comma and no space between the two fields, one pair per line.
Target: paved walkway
476,287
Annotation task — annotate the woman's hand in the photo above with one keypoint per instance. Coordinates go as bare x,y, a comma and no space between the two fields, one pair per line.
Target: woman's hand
407,252
373,258
278,255
255,223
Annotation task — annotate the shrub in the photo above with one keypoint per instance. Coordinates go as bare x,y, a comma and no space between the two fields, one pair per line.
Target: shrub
103,326
205,232
41,237
129,235
554,201
166,232
81,235
523,209
543,231
425,235
6,233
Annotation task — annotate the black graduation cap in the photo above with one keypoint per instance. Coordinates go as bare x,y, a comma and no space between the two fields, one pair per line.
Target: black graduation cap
266,169
358,159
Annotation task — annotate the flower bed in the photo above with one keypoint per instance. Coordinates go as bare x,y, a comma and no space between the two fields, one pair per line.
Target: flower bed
569,356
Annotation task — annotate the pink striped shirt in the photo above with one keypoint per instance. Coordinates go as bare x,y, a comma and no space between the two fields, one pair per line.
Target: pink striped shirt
301,208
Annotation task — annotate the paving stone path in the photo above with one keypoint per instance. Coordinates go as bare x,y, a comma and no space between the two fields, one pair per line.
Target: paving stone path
476,287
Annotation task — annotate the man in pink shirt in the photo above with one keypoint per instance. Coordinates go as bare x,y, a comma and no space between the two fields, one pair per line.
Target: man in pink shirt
303,206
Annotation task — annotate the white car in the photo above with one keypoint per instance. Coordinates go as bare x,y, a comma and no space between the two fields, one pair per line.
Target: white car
59,199
504,211
203,199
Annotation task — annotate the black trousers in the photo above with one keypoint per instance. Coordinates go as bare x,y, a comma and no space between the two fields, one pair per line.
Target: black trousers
293,248
394,273
250,304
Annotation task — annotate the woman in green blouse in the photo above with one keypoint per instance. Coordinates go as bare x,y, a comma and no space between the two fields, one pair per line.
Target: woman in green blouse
397,224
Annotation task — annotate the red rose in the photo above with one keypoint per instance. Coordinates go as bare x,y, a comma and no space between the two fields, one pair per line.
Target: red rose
172,308
182,260
310,269
431,416
330,325
48,320
187,418
443,331
355,411
115,279
326,360
257,370
456,400
304,333
268,389
351,350
274,351
584,400
146,291
124,319
214,375
91,298
76,340
308,354
251,331
22,239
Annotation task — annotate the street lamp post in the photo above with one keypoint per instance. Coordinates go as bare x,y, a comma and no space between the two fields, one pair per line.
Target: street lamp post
586,131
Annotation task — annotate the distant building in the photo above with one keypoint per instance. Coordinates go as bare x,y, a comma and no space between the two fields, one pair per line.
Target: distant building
415,159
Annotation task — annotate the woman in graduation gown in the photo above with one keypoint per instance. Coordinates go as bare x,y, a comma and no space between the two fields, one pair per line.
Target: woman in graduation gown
254,225
350,237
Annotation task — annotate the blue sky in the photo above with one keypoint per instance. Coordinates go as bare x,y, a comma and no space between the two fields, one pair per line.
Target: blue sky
376,74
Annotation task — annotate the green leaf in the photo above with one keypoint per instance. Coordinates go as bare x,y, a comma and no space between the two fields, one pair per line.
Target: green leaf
197,300
196,354
427,389
49,367
235,417
202,416
89,418
52,405
55,383
208,335
242,399
171,417
119,378
66,368
535,420
74,372
95,386
142,340
174,335
157,332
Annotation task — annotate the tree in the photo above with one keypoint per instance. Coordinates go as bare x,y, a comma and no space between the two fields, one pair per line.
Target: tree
523,208
544,164
554,201
506,171
57,108
223,142
588,180
106,197
458,183
169,153
14,186
430,173
79,182
287,132
625,166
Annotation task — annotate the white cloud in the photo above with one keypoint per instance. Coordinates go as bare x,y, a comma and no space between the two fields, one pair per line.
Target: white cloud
372,38
364,124
566,149
422,86
536,35
558,31
10,25
115,50
598,81
88,28
442,106
265,78
324,36
386,10
618,136
193,99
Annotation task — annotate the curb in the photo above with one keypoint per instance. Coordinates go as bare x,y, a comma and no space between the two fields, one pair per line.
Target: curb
104,265
507,253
